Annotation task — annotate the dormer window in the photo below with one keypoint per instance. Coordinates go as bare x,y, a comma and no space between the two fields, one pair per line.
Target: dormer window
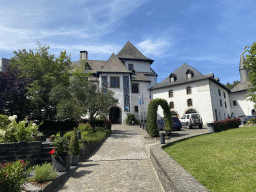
189,74
130,67
172,77
133,72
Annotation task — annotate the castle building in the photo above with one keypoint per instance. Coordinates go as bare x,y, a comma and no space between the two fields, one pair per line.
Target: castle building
189,91
129,75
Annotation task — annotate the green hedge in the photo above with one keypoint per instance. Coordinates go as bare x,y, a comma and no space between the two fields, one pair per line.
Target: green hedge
152,128
130,118
226,124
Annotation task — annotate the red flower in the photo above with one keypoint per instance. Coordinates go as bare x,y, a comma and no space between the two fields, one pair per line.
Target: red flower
52,151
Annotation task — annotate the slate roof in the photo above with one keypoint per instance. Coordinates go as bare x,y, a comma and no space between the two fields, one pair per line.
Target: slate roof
181,78
242,86
181,73
129,51
140,77
114,65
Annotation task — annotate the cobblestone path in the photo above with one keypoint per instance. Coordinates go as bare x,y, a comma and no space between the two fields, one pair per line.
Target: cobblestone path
121,164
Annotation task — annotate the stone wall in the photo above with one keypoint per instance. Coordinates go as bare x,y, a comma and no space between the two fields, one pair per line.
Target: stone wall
30,151
173,176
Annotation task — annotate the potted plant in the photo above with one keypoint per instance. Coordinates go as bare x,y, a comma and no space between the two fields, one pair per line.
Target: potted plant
60,156
74,149
52,138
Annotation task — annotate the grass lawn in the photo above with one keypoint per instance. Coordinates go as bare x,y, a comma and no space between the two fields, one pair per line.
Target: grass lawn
224,161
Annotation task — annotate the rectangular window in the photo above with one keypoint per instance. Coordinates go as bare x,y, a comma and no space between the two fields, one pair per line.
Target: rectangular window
130,67
220,103
234,103
225,104
114,82
135,88
136,109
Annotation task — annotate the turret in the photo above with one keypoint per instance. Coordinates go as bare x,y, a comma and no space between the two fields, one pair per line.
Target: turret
243,71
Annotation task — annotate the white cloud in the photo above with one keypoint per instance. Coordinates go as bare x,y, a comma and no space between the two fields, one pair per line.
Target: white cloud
156,47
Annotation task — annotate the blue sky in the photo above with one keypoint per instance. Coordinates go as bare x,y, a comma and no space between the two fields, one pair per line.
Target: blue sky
207,35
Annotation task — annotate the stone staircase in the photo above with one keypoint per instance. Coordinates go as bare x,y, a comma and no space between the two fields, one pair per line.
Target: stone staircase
45,156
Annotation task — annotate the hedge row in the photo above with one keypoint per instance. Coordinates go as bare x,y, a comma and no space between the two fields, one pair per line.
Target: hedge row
226,124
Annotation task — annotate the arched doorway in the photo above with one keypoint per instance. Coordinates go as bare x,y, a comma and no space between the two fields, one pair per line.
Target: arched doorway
191,111
115,115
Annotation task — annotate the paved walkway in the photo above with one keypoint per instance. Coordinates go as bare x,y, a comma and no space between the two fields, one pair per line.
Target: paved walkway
121,164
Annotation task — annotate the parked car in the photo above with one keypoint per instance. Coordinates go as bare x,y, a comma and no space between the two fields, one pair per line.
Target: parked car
175,124
247,118
192,120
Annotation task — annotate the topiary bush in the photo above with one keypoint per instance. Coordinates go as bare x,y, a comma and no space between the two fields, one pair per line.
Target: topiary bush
130,117
152,128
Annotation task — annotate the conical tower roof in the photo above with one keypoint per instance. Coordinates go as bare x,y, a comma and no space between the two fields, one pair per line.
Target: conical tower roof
129,51
242,59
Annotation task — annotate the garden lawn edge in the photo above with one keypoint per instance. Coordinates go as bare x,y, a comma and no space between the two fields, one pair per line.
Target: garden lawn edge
172,175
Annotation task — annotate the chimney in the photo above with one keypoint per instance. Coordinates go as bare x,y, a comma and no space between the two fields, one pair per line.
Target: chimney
83,55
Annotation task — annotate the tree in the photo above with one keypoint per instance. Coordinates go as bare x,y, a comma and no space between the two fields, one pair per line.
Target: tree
46,71
231,86
81,96
12,92
250,65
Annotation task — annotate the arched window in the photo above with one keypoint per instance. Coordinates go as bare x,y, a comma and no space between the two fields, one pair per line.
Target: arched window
172,105
190,103
189,90
171,93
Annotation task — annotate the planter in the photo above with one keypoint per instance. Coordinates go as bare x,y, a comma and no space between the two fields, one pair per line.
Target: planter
82,152
40,138
74,159
61,163
51,138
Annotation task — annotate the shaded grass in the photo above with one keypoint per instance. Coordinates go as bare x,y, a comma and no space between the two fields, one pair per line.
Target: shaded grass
224,161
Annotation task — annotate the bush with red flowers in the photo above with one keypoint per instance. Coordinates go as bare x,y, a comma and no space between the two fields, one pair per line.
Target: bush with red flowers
226,124
107,124
13,175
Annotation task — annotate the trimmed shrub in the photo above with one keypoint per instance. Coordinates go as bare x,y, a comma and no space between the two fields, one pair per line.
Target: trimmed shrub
152,128
74,144
130,118
226,124
43,173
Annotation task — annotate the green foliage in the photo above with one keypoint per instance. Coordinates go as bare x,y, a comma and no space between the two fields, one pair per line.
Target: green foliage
61,145
67,135
250,65
107,124
74,144
13,175
102,117
226,124
231,86
4,122
131,118
21,131
43,173
85,127
251,121
152,128
97,136
46,71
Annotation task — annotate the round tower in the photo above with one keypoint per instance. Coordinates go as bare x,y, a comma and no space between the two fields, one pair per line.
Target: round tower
243,71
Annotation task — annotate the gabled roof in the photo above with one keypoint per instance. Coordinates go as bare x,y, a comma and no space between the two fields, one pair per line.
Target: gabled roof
129,51
114,65
242,86
181,73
